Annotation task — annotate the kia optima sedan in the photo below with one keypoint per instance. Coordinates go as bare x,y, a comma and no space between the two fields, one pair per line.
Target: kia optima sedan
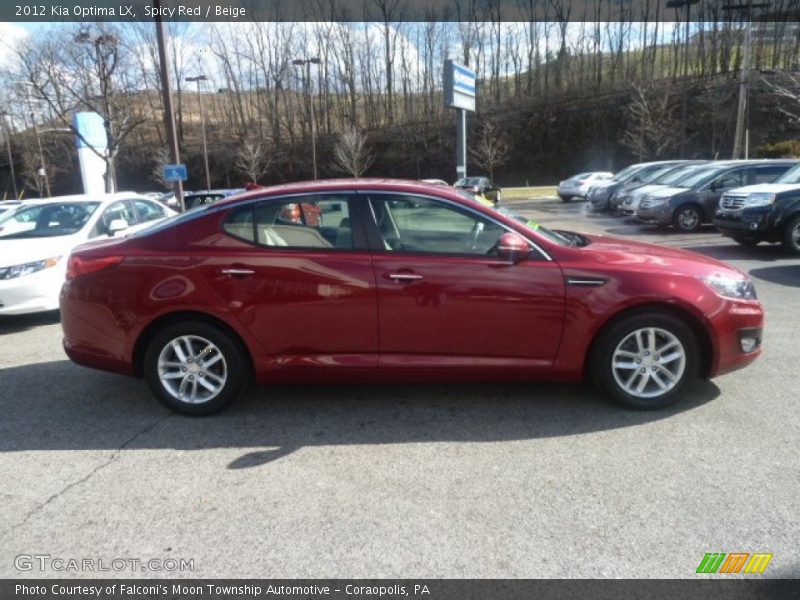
394,281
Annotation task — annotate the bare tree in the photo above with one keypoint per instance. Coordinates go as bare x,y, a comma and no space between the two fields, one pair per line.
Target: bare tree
252,160
493,147
652,129
351,154
786,86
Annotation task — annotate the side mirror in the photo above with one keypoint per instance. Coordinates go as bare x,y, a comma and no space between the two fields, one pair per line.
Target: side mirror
116,226
512,248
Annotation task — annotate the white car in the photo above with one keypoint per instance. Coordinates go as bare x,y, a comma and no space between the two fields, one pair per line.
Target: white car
36,240
578,185
6,205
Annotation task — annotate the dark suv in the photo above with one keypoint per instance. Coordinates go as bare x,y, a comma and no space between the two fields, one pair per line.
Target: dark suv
694,200
763,213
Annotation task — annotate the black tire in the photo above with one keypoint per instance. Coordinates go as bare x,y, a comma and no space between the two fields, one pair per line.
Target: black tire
233,360
745,240
688,218
602,359
791,235
565,198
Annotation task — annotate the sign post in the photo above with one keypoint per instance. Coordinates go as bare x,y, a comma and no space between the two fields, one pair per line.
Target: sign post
459,93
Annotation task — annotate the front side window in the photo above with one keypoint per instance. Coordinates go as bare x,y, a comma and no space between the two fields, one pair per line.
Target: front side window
768,174
121,210
412,224
730,180
303,222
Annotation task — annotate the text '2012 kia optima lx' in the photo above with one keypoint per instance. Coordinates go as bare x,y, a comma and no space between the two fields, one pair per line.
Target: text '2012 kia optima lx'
377,281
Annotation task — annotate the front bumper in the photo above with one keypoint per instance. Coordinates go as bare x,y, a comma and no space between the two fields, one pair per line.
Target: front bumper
37,292
736,329
659,215
753,222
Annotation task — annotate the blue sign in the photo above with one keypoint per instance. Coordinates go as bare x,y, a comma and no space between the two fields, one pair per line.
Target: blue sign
174,173
459,86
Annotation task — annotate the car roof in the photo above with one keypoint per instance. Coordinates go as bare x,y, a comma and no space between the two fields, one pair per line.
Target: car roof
342,185
103,198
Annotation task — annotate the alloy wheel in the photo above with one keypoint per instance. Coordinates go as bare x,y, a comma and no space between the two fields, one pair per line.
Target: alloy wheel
648,362
192,369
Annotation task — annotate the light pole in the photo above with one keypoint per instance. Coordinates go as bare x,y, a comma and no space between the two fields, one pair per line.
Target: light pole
7,134
166,93
42,165
741,138
197,79
308,62
685,99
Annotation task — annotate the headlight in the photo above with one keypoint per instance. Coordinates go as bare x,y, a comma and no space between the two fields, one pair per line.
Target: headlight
731,287
27,268
760,199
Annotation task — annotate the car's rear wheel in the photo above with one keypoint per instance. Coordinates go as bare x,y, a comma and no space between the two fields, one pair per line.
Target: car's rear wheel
195,368
565,198
688,218
745,240
645,360
791,236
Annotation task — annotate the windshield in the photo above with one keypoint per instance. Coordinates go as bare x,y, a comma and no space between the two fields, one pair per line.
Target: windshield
791,176
470,181
676,175
655,174
702,176
534,226
627,173
46,220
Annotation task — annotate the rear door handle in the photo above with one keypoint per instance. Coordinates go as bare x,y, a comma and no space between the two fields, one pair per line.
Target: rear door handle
238,272
404,277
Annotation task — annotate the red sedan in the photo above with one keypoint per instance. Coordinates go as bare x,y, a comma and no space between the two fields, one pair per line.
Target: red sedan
374,281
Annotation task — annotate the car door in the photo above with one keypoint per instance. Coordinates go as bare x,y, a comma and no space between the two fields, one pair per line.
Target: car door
444,299
297,274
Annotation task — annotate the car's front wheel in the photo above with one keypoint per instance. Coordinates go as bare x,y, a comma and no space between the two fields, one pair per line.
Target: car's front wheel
791,236
645,360
195,368
688,218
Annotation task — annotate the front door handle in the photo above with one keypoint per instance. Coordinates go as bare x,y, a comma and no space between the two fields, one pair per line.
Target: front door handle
238,272
400,277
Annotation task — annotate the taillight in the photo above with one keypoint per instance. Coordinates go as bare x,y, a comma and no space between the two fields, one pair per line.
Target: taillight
78,266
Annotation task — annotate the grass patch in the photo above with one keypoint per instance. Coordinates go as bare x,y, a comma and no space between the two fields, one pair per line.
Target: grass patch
528,193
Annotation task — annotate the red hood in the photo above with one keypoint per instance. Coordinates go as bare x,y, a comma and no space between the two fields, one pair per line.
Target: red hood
621,252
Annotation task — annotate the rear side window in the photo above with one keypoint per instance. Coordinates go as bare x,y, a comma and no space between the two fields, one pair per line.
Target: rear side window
309,222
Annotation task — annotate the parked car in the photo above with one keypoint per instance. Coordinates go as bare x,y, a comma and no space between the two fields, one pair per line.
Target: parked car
194,199
629,200
482,186
694,200
764,212
578,185
399,281
36,240
648,177
601,192
435,181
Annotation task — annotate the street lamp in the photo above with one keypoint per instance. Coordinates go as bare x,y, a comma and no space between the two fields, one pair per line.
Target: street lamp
197,79
676,4
308,62
741,138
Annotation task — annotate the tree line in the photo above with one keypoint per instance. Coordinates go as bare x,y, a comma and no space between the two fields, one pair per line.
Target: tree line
553,96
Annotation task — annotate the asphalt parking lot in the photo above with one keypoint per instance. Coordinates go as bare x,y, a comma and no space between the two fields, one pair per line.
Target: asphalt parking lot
409,481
